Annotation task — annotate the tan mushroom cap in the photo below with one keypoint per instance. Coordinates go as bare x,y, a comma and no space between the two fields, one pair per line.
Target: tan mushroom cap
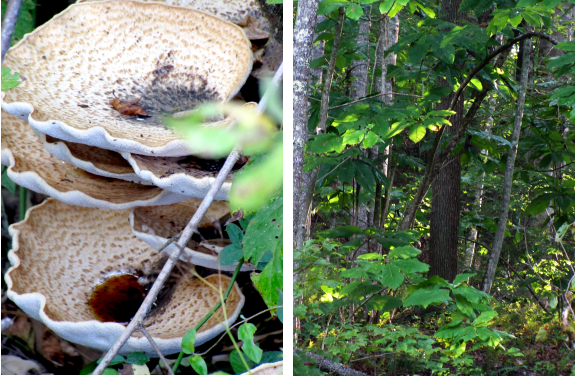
276,368
94,160
34,168
170,58
156,224
61,252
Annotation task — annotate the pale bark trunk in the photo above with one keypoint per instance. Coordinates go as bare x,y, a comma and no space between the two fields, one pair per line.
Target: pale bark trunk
478,200
302,44
508,179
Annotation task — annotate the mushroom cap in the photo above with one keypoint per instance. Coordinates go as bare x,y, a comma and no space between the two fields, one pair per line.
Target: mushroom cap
91,159
61,252
170,59
156,224
276,368
34,168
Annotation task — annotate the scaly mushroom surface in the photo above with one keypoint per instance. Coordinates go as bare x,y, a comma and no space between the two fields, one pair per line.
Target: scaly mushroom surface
34,168
62,252
164,59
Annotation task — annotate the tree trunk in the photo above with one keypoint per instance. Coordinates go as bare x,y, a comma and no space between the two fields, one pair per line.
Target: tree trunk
299,225
445,203
478,200
302,44
524,50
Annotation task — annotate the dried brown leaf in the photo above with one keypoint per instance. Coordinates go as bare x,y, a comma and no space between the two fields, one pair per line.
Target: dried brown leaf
128,107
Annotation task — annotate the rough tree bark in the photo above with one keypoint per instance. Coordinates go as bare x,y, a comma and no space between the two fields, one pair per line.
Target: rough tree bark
445,202
302,44
525,51
309,188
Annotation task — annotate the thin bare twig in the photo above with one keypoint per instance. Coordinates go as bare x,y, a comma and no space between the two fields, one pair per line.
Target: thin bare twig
189,230
155,346
9,24
374,96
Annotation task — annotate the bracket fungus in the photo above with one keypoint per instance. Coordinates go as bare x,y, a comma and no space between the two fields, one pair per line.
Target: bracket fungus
60,256
34,168
157,224
168,58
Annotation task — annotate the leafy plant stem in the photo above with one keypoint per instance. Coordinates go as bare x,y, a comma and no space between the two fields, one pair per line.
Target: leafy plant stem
23,197
216,307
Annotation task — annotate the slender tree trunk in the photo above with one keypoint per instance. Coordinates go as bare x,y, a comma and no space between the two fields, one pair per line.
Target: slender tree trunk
445,203
302,44
525,51
478,200
324,109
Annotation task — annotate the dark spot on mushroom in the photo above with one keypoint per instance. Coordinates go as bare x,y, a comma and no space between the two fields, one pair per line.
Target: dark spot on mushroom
83,105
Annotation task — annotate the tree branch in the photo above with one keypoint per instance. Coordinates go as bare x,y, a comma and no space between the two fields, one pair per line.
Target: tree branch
9,24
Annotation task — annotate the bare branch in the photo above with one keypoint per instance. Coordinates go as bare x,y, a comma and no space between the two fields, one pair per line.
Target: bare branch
9,24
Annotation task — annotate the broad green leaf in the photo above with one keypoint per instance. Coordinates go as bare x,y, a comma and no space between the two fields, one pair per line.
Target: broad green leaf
440,113
354,273
199,365
384,303
471,294
391,276
476,84
563,92
364,175
568,58
541,335
137,358
342,232
385,6
463,304
478,6
417,51
89,368
346,172
230,254
7,182
238,365
370,140
269,282
397,7
235,233
370,256
404,252
354,137
566,46
484,318
526,3
354,11
340,62
417,132
411,266
539,204
425,297
246,334
264,232
110,371
466,334
188,341
460,278
9,80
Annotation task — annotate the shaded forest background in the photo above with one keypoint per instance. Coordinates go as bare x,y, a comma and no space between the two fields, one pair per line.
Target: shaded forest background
434,187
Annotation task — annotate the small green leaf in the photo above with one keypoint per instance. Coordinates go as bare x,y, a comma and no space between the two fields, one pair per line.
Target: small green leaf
118,359
460,278
265,231
252,350
340,62
188,341
476,84
231,254
237,364
199,365
463,304
354,11
385,6
7,182
384,303
411,266
9,80
404,252
137,358
541,335
391,276
484,318
235,233
89,368
425,297
110,371
417,132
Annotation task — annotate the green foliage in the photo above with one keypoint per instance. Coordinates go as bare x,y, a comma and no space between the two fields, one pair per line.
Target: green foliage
188,341
7,182
137,358
199,364
9,80
246,333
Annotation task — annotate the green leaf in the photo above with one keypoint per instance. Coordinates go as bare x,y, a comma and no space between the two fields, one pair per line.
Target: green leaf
370,140
269,282
526,3
235,233
118,359
541,335
463,304
188,341
475,5
472,294
566,46
89,368
484,318
476,84
539,204
340,62
404,252
364,175
110,371
137,358
264,232
384,303
246,334
342,232
199,364
237,364
460,278
425,297
354,273
9,80
346,172
354,11
390,276
230,254
7,182
397,7
417,51
411,266
385,6
417,132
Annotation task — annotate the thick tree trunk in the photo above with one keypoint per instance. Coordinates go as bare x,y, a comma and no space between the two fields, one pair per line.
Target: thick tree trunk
525,51
478,199
302,44
308,189
445,203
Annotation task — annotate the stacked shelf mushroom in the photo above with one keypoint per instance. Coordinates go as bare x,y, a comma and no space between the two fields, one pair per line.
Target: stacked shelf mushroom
86,128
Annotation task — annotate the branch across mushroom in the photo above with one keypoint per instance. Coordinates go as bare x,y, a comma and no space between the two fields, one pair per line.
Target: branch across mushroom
34,168
168,59
62,252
